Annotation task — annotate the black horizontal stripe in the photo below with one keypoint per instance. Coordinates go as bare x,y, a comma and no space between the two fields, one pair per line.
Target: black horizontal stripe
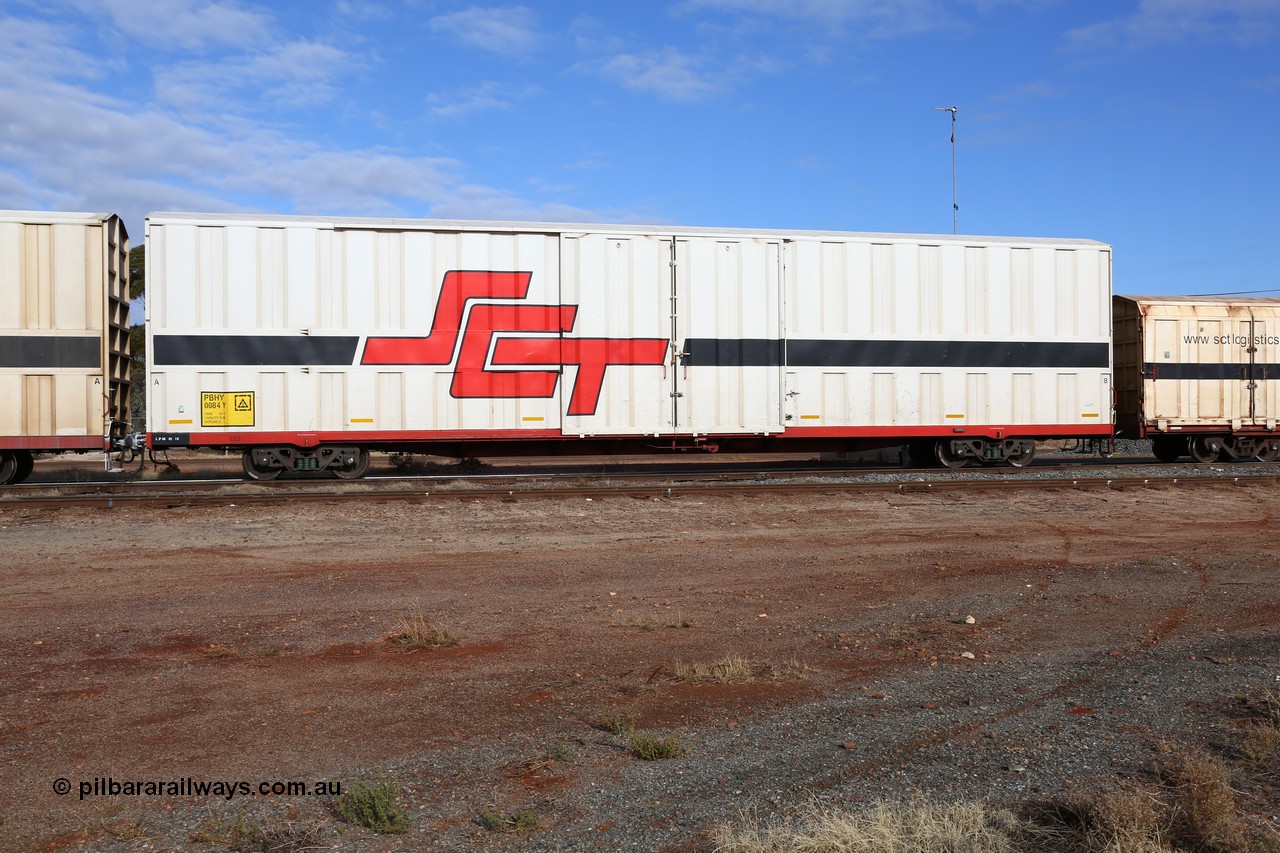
763,352
50,351
1210,371
246,350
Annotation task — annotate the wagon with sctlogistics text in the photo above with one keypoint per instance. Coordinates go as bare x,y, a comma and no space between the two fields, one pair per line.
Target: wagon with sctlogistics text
1199,376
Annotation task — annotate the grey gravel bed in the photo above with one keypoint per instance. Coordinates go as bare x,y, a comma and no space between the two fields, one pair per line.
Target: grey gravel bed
961,730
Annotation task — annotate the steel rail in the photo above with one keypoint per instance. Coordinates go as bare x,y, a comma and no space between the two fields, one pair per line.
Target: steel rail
362,491
718,472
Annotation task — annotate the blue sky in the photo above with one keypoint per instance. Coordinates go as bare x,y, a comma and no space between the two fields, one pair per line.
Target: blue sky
1153,125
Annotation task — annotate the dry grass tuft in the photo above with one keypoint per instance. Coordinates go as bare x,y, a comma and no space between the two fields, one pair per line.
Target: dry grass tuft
235,834
647,747
886,828
735,669
619,723
412,633
1261,741
496,821
1126,819
1205,816
1271,707
294,838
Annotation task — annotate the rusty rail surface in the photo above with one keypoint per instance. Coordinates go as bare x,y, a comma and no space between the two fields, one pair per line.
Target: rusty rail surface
509,488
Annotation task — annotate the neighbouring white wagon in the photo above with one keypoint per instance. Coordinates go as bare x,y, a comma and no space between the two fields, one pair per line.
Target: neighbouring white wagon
307,342
64,335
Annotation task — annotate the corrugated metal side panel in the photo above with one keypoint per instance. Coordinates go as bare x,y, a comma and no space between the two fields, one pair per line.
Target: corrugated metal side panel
307,283
728,290
63,278
1267,332
866,292
621,286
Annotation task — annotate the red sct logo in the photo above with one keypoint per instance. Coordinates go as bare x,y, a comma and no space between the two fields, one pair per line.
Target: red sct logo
471,344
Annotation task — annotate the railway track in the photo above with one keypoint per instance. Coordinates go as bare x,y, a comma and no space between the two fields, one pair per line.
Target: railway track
527,485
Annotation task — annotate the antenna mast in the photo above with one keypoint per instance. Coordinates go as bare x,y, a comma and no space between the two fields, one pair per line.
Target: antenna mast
955,204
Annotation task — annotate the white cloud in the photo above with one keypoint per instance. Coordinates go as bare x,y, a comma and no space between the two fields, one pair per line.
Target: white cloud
297,73
33,47
364,10
1174,21
510,31
70,143
670,74
871,18
184,24
477,99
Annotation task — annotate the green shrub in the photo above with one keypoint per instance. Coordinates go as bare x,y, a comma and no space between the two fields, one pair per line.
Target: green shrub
495,821
648,747
373,806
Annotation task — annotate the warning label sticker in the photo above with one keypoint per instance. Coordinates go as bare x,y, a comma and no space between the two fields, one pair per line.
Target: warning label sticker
226,408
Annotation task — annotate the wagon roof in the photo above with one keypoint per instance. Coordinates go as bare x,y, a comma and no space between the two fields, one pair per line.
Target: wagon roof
570,228
45,217
1204,299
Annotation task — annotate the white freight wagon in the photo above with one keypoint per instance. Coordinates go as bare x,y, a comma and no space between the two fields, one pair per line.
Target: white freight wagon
64,335
308,341
1199,375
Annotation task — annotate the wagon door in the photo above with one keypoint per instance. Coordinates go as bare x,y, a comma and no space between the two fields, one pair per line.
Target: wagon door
1249,329
1165,354
616,376
1266,367
727,306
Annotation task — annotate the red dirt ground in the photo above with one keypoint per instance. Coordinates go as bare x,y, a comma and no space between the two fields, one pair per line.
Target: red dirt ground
246,643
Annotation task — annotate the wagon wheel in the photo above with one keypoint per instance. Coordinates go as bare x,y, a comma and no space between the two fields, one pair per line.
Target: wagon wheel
26,464
1023,456
1168,449
357,468
8,467
1268,450
948,456
1206,448
254,471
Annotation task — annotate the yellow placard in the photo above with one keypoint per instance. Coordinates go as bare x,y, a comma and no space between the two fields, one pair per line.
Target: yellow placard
226,408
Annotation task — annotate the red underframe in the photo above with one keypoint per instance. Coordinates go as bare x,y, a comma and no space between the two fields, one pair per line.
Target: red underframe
383,437
52,443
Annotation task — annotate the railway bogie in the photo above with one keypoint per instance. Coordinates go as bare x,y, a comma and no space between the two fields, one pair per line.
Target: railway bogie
1210,447
347,462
